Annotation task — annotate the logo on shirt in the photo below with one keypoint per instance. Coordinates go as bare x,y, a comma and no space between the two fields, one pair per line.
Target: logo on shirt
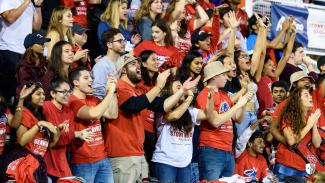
224,107
251,173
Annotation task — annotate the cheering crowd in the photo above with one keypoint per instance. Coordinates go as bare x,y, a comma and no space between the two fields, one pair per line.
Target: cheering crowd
184,91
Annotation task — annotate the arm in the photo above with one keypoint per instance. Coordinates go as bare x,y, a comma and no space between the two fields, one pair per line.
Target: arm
257,51
203,17
243,139
10,16
274,129
112,108
259,71
276,42
179,8
180,110
316,138
37,19
94,1
88,113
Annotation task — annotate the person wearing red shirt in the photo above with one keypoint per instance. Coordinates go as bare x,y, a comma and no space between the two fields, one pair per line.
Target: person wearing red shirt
162,44
242,15
215,158
295,129
90,154
80,7
251,162
57,113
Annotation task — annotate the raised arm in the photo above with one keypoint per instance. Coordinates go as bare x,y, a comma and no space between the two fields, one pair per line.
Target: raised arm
179,8
180,110
112,108
37,18
203,16
258,74
277,43
10,16
258,48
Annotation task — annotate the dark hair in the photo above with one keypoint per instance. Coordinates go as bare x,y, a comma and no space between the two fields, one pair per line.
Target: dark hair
108,36
144,56
184,72
281,84
224,11
162,25
55,83
3,105
74,74
36,111
252,21
236,59
292,113
56,64
184,123
255,135
183,28
296,45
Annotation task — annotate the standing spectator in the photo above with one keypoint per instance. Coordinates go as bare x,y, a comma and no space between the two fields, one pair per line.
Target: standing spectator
88,156
60,61
114,43
215,152
33,66
116,16
19,18
149,11
57,112
297,58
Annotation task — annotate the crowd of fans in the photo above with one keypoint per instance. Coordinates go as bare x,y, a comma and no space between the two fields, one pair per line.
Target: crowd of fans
175,91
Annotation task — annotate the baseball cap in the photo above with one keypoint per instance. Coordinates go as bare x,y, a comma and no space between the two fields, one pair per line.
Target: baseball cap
78,29
123,60
32,39
199,35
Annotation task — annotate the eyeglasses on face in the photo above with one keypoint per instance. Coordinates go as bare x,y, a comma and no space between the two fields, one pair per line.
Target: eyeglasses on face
64,92
121,41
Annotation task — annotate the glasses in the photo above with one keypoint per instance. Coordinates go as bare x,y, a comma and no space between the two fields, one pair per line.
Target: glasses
64,92
121,41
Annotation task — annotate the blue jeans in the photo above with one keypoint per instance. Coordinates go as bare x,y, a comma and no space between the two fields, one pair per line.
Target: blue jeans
282,171
96,172
167,174
215,163
249,118
195,172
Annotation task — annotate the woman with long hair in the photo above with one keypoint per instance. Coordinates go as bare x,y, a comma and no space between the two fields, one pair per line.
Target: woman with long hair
173,153
162,44
60,26
35,135
60,61
298,121
33,64
116,16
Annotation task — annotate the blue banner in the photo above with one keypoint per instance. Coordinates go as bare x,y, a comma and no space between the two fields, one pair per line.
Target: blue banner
280,12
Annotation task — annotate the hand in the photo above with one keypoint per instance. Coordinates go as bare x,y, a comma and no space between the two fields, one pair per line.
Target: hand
162,78
188,84
244,80
80,54
313,118
26,91
111,83
244,99
64,126
135,39
234,22
211,93
85,135
306,60
49,126
260,22
286,24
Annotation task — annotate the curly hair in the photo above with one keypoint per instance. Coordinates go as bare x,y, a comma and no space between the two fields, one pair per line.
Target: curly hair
292,114
184,123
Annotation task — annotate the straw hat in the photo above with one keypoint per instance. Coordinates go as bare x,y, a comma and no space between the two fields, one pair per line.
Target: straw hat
212,69
296,76
123,60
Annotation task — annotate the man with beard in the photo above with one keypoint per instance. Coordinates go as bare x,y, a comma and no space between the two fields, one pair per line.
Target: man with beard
114,43
125,135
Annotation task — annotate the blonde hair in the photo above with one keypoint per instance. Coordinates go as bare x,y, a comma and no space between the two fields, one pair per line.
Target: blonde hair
56,25
111,14
144,11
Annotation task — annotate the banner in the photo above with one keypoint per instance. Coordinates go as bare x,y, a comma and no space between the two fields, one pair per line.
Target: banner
280,12
316,28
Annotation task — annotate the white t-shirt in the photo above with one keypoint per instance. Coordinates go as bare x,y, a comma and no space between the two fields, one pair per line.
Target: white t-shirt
12,36
174,148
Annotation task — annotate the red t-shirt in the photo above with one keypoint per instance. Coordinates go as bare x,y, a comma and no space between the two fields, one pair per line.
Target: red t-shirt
249,166
124,136
264,94
319,102
243,21
4,128
221,137
94,150
55,158
81,10
39,143
149,116
167,55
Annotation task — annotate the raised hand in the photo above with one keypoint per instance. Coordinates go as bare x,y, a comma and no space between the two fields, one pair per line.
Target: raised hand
233,20
26,91
162,78
313,118
111,83
189,83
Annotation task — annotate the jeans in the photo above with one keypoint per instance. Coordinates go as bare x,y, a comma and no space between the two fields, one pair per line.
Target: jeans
167,174
249,118
195,172
282,171
215,163
96,172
